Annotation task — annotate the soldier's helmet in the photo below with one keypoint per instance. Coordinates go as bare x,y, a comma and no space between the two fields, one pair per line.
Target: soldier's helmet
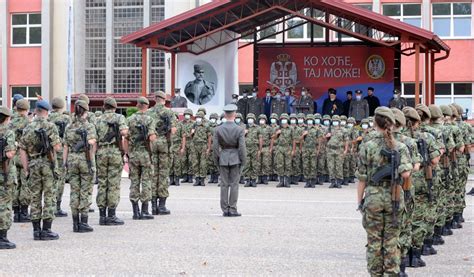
238,115
336,118
301,116
446,110
435,111
284,116
343,117
250,115
365,120
188,111
370,119
274,115
293,115
317,116
310,117
326,116
202,109
214,115
200,114
351,120
262,116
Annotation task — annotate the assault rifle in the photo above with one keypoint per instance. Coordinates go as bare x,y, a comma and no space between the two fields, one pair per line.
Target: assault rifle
143,136
427,168
4,159
391,171
45,148
114,132
61,128
87,148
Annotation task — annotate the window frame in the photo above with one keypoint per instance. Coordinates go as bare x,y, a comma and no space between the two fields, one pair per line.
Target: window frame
353,28
27,26
451,17
402,17
27,97
306,28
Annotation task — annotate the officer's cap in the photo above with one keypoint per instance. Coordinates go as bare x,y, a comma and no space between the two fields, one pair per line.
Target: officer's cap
396,91
143,100
5,111
230,108
399,116
386,112
22,104
446,110
57,103
43,104
198,68
332,91
83,97
251,115
423,108
358,91
82,104
110,101
235,96
411,113
435,111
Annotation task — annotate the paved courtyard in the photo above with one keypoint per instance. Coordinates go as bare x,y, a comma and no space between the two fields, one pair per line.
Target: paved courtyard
296,231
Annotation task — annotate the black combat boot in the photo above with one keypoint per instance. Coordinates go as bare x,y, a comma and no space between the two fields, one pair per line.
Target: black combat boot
403,264
16,213
135,209
265,179
102,216
317,181
282,182
112,219
333,184
326,178
36,229
4,242
274,177
176,181
437,238
75,223
447,229
301,178
59,212
293,180
162,210
339,183
144,215
202,181
46,233
185,178
313,183
24,217
427,248
191,178
351,180
154,206
212,178
197,182
247,183
172,183
456,221
308,183
287,182
83,224
461,218
415,258
471,192
345,181
259,180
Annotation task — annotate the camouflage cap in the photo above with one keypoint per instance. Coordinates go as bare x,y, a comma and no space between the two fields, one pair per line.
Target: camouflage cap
343,117
446,110
454,110
214,115
202,109
238,115
326,116
411,113
84,98
143,100
262,116
58,103
351,120
336,118
293,115
83,104
317,116
284,116
274,115
160,94
301,115
365,120
110,101
251,115
188,111
22,104
200,114
423,108
435,111
6,111
399,116
310,117
386,112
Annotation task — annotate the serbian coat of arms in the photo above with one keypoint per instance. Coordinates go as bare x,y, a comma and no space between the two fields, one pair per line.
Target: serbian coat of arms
375,67
283,73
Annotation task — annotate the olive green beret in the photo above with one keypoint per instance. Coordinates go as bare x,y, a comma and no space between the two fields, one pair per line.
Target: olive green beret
284,116
202,110
274,115
446,110
317,116
458,107
301,115
386,112
22,104
160,94
214,115
435,111
251,115
351,120
424,109
57,103
454,110
262,116
84,98
326,116
399,116
238,115
336,117
200,114
110,101
343,117
411,113
293,115
83,104
6,111
143,100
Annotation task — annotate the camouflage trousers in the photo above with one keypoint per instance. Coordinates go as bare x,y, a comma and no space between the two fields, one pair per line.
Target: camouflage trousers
443,198
250,170
61,171
109,172
186,161
6,193
273,164
460,190
211,164
435,206
322,163
297,163
42,188
383,249
265,162
406,220
175,161
80,180
21,191
141,175
349,165
283,160
309,162
161,168
452,197
335,163
199,159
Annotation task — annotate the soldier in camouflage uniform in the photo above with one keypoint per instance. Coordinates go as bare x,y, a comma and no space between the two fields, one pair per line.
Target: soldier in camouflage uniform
318,124
200,148
79,169
375,198
7,179
284,144
40,169
141,133
347,157
252,143
175,157
354,131
211,165
294,163
61,120
337,148
21,190
111,129
322,158
309,145
423,203
165,123
274,127
264,163
186,142
298,158
240,122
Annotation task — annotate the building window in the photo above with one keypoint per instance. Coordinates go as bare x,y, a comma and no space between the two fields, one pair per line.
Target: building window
408,13
157,62
461,93
30,93
303,32
26,29
452,19
95,47
408,92
353,27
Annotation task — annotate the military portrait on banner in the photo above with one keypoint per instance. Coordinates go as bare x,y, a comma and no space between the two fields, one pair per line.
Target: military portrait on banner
199,91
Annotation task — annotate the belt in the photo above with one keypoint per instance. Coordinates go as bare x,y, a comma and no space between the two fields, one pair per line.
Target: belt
382,183
37,155
229,147
111,145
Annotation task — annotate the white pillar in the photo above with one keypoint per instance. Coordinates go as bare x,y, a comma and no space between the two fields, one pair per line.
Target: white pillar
46,49
79,46
4,50
146,23
426,14
109,46
376,7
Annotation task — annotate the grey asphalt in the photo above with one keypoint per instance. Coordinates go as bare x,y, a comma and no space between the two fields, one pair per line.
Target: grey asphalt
295,231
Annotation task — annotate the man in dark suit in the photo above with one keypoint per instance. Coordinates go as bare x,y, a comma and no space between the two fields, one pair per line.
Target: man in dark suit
346,105
332,105
228,148
372,100
267,103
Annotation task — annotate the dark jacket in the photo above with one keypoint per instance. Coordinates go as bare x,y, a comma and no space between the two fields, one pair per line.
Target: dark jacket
328,107
346,105
373,102
267,106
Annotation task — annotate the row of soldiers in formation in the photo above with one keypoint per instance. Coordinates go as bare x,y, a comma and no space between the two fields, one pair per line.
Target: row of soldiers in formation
39,155
412,171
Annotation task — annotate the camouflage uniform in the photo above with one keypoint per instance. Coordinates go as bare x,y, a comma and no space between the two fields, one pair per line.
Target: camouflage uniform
264,163
274,127
200,149
211,164
186,161
283,148
335,153
109,165
175,156
298,158
310,149
239,120
252,136
322,158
